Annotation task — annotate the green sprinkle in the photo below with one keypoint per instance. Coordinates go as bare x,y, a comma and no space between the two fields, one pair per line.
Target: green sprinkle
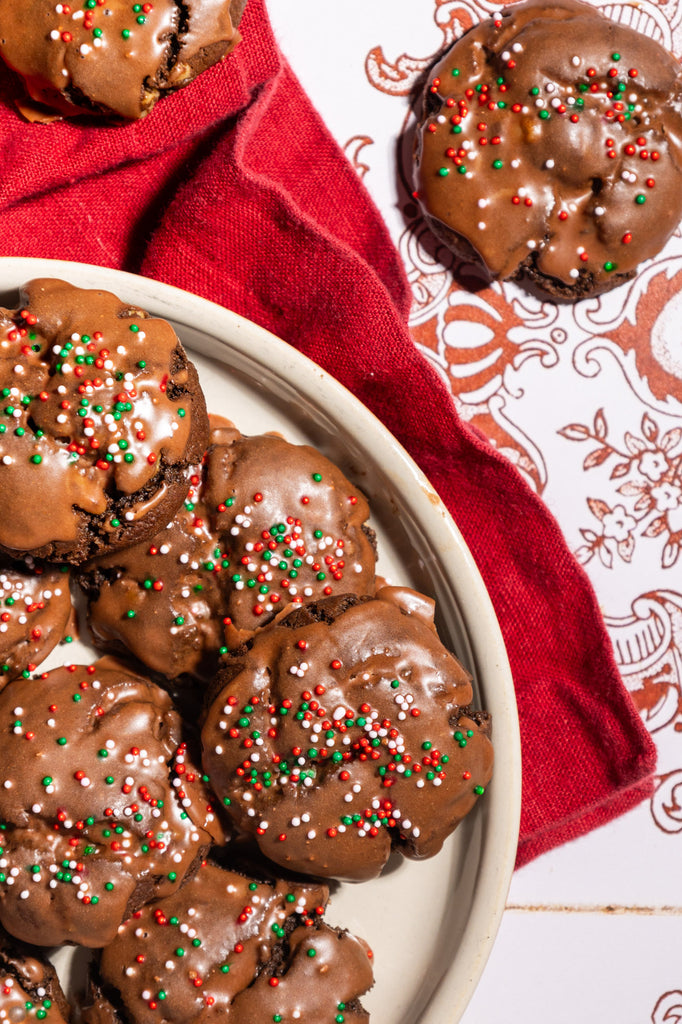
134,328
36,459
640,199
443,171
544,114
497,164
62,741
479,790
312,952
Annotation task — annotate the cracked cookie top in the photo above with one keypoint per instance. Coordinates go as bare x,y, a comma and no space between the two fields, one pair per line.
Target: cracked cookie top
101,808
102,415
227,946
344,731
551,145
265,524
112,57
35,608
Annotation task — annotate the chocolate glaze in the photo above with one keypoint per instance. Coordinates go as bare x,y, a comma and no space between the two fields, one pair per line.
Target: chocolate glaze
103,413
260,931
35,608
259,530
101,806
551,141
110,56
29,987
345,731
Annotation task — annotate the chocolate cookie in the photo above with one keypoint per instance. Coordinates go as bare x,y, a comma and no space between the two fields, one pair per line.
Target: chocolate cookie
101,807
551,147
35,608
29,987
112,57
102,416
345,731
266,523
229,947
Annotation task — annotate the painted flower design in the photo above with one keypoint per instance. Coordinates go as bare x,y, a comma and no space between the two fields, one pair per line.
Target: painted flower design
652,465
617,524
649,468
666,496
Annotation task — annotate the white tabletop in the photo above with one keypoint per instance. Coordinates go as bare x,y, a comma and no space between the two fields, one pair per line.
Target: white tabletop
550,386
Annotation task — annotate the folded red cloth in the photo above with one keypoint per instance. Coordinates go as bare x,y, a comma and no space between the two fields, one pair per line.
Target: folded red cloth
234,190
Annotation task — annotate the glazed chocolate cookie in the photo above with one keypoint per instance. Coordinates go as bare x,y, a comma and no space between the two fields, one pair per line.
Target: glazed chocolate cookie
102,416
101,807
29,986
35,609
266,523
227,947
344,731
112,57
551,147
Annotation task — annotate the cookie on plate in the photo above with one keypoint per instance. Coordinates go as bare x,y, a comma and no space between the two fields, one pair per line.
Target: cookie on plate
229,947
112,57
35,609
29,986
266,523
102,416
550,147
102,809
345,731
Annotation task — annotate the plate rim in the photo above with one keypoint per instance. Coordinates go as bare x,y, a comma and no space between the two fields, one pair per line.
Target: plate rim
503,804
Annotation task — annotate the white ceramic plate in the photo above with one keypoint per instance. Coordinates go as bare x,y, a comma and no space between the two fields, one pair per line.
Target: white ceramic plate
431,924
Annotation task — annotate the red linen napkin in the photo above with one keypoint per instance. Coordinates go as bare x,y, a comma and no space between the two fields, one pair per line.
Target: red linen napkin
234,190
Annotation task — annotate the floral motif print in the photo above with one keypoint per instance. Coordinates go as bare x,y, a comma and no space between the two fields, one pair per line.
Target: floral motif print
650,466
